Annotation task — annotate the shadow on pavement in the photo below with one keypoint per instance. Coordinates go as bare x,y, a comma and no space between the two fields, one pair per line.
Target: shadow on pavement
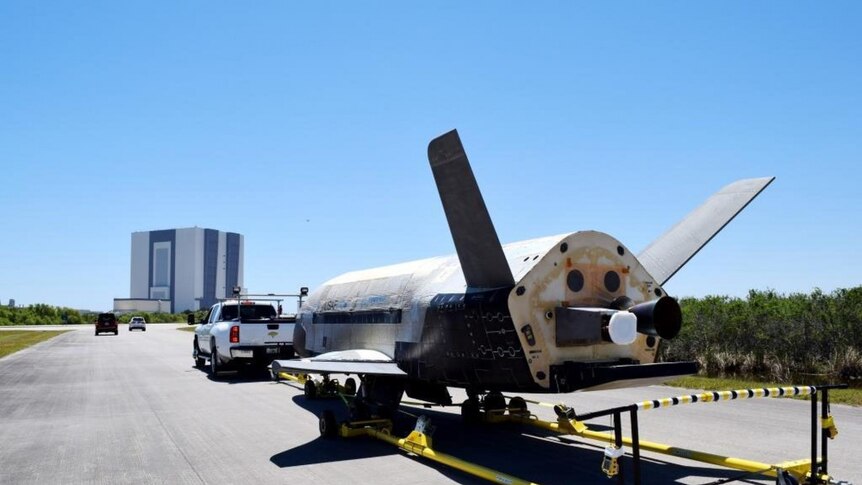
324,450
522,451
240,376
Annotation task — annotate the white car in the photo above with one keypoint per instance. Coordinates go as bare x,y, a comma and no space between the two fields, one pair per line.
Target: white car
137,323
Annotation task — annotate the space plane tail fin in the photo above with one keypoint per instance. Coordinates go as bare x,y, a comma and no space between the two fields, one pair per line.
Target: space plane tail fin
482,259
670,252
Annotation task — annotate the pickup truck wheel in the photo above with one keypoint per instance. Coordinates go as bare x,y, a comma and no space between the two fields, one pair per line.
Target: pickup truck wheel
350,386
214,367
310,390
328,425
200,362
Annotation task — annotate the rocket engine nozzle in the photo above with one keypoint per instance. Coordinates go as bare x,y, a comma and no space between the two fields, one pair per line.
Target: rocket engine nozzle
660,318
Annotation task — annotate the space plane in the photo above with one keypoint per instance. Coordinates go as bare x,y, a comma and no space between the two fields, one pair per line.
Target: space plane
557,314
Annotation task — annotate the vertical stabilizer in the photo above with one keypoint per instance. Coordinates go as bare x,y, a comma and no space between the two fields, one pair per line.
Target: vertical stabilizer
482,259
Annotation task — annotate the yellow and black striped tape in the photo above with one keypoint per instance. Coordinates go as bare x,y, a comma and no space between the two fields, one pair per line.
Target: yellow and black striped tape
714,396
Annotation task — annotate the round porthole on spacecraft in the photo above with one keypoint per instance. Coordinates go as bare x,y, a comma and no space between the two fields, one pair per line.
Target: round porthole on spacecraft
575,280
612,281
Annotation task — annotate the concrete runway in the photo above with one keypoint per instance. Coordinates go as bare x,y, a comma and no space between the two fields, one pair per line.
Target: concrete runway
133,409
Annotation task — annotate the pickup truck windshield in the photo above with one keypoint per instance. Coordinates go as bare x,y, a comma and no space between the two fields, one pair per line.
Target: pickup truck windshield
248,312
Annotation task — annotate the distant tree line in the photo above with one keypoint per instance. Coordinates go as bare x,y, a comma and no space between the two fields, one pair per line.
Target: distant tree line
41,314
768,335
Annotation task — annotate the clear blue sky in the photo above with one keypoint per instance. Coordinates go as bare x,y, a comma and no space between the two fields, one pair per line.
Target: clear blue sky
304,126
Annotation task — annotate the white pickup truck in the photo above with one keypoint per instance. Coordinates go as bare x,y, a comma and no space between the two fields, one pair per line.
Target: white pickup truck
236,334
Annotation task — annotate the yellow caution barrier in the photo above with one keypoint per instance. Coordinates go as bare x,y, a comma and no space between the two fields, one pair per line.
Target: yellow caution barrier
715,396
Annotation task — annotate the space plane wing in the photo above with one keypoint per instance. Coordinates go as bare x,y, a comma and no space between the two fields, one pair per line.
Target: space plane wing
362,361
673,249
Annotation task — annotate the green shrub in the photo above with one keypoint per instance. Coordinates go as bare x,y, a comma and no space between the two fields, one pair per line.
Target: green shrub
768,335
40,314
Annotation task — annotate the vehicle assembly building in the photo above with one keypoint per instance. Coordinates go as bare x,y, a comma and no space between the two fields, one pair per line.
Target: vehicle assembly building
174,270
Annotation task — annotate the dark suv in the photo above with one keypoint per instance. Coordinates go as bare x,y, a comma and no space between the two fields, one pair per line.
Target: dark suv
106,322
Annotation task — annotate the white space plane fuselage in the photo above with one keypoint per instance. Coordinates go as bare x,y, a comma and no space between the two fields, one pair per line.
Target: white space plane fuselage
422,315
554,314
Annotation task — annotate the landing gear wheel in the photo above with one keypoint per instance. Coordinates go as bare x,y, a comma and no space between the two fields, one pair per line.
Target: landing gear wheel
330,387
310,390
350,386
517,405
214,366
494,401
470,411
275,376
327,424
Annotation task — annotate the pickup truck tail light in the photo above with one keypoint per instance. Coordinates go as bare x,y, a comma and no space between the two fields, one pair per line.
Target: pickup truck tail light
234,334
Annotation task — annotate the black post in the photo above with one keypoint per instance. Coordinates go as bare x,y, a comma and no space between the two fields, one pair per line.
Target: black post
824,433
618,441
815,477
636,447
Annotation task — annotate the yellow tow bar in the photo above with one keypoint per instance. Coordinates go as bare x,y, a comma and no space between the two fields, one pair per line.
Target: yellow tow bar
419,444
298,378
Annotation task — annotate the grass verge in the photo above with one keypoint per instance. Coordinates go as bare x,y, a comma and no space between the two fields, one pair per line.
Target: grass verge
12,341
190,328
852,397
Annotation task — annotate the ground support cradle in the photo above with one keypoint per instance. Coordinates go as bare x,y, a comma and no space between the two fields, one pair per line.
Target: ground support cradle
418,443
811,470
324,388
